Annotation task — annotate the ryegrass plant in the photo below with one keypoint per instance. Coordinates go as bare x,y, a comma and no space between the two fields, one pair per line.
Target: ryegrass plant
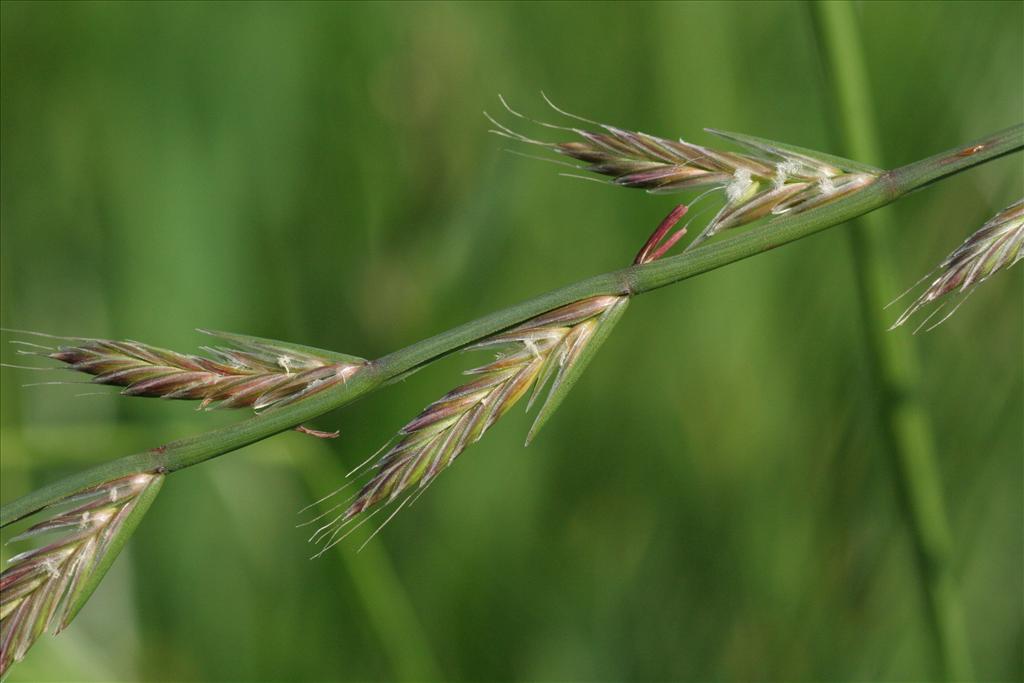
552,338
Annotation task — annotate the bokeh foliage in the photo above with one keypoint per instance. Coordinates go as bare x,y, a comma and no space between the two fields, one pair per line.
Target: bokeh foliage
711,502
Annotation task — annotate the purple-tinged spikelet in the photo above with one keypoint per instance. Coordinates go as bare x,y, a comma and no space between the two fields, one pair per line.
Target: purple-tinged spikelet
777,179
43,589
996,246
256,373
551,349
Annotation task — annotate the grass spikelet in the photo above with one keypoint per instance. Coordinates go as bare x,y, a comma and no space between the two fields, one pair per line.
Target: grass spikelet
251,372
43,589
994,247
776,179
550,350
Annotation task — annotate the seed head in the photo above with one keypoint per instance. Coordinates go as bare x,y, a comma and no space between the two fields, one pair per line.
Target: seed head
252,373
550,349
45,588
994,247
775,179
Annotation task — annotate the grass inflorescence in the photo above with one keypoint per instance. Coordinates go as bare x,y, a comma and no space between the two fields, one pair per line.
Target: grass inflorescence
550,350
545,342
777,179
997,245
44,588
252,372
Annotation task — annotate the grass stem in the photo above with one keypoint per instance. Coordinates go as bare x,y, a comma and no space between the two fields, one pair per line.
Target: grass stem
893,360
634,280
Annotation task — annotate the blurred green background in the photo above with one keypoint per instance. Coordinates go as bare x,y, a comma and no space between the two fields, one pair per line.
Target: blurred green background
713,501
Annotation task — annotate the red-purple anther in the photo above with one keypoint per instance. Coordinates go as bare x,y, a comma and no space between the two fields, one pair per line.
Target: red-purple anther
655,248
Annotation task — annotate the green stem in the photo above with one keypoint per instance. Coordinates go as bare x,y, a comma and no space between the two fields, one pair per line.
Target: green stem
633,280
906,428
